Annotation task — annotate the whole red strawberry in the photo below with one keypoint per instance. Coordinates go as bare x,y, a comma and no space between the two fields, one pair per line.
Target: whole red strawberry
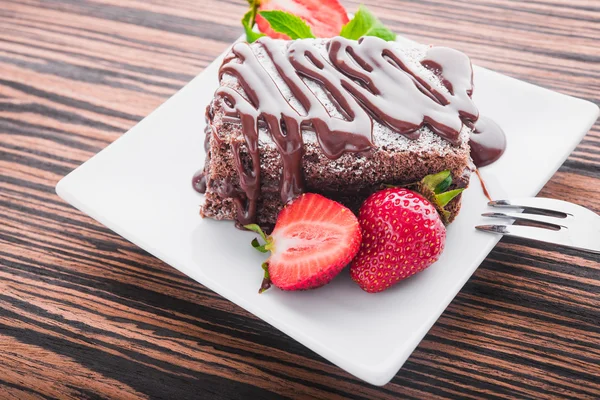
402,235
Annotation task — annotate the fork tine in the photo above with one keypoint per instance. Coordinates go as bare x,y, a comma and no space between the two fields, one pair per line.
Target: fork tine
539,204
543,219
529,232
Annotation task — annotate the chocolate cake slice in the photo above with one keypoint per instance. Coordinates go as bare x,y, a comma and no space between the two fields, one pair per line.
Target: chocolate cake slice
336,117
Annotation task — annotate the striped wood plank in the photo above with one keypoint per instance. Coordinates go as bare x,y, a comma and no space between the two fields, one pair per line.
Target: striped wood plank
85,314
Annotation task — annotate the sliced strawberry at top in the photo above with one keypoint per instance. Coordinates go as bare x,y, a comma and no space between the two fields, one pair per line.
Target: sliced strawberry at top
313,240
325,17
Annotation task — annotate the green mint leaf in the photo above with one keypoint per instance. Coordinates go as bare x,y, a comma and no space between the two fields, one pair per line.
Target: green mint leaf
444,198
365,23
288,24
248,24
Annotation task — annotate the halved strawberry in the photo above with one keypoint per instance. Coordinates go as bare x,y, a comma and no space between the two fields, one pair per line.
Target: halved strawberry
325,17
313,240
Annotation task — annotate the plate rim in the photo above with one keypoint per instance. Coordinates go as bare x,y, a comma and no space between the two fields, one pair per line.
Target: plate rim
377,375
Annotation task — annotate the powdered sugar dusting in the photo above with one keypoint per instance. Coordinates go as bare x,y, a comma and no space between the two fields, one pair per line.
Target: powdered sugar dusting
383,136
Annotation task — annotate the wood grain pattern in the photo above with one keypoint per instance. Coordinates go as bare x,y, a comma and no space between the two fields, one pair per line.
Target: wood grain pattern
85,314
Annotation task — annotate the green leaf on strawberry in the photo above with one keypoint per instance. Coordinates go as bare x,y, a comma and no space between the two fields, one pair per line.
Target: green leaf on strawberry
443,185
263,248
248,22
444,198
266,282
434,186
438,182
366,23
257,229
288,24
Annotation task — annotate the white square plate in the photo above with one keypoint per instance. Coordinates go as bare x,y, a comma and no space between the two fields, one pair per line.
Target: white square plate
139,186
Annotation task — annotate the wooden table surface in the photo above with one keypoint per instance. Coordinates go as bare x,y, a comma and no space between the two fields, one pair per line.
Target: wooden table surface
86,314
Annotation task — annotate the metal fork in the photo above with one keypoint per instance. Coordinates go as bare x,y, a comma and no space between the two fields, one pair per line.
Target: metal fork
558,222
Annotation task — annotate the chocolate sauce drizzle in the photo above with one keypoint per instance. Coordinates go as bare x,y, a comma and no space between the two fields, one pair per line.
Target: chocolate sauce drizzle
487,142
199,178
365,80
199,181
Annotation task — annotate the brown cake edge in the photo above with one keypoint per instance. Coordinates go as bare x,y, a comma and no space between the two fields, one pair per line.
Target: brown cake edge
350,186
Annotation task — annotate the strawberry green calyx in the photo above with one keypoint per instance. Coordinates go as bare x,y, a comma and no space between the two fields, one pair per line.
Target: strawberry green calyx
263,248
266,282
433,187
249,20
256,228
